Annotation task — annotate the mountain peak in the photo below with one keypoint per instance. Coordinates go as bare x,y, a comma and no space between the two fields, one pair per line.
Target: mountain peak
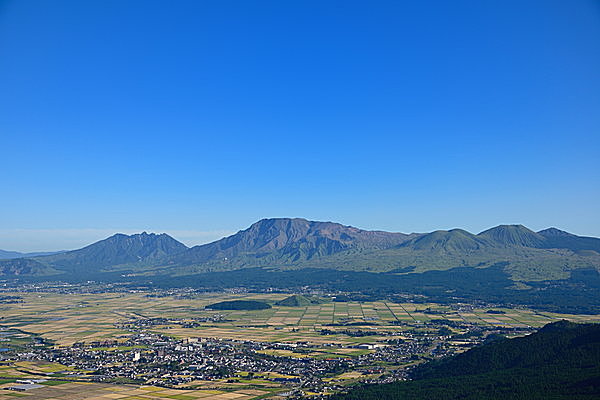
117,249
283,242
281,220
143,237
287,240
513,235
454,240
141,234
554,232
555,238
509,227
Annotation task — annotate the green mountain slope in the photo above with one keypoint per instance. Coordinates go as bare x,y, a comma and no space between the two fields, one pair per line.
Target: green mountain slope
295,243
109,253
297,300
25,267
6,255
513,235
555,238
560,361
9,255
455,240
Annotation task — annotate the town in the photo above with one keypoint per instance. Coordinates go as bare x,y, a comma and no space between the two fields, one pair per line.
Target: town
163,351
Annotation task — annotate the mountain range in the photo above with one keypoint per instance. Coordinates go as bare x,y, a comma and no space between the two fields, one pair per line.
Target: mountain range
286,243
7,255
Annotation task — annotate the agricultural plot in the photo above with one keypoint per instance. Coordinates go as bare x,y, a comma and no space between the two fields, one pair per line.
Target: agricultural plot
69,389
97,391
66,319
95,318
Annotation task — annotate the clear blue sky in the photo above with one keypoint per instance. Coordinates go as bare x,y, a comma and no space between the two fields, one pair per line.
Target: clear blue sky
198,118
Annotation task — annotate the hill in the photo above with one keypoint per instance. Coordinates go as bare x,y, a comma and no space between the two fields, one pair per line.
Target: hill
25,267
513,235
455,240
297,300
115,251
8,255
560,361
239,305
5,255
555,238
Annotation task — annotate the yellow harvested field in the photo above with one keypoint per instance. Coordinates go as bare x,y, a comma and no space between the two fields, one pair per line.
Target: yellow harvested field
98,391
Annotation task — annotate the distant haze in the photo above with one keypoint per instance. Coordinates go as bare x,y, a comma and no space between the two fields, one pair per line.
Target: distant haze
28,240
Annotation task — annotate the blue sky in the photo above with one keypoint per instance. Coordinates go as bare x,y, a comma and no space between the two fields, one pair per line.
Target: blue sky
198,118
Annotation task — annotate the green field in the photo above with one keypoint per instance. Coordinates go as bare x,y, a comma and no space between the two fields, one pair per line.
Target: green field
67,319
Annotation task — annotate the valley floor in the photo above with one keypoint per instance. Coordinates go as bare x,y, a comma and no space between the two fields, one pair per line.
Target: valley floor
165,345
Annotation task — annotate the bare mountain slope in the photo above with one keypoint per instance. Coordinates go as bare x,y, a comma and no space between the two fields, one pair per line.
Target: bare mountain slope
289,240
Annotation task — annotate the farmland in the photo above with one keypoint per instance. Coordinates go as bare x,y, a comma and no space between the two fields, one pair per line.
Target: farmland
352,340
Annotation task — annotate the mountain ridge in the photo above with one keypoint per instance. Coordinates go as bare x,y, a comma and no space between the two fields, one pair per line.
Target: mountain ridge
118,249
291,238
299,243
8,254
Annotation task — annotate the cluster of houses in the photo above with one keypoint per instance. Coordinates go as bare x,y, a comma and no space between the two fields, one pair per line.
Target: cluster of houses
152,358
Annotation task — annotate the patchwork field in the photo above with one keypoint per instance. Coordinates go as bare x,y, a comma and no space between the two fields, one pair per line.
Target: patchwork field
67,319
98,391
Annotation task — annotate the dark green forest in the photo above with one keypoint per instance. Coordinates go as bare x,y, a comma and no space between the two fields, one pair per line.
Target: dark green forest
560,361
239,305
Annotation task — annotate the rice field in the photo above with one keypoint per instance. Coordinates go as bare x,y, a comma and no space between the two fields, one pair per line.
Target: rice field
66,319
98,391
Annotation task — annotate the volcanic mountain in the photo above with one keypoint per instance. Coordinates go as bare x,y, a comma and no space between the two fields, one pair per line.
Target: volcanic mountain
115,251
296,243
288,240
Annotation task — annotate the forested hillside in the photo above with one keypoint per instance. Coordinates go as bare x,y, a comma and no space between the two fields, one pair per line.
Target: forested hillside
560,361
